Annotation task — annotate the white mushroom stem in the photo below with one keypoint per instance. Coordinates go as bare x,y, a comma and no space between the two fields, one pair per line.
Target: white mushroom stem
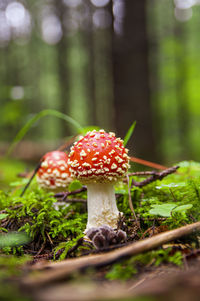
101,203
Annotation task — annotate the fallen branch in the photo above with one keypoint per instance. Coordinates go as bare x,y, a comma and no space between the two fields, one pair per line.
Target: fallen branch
60,270
155,176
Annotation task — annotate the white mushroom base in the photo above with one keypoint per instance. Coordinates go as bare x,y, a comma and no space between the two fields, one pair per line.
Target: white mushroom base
101,203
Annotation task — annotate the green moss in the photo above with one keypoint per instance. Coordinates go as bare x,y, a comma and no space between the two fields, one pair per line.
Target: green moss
52,229
35,214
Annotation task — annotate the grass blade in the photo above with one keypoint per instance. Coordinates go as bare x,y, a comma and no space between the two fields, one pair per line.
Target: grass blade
129,133
34,119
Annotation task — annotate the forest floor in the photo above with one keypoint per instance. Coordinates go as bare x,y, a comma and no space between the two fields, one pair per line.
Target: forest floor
45,257
166,282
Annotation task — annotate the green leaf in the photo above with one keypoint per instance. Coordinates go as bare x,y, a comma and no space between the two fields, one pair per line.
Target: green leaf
35,118
74,185
182,208
129,133
13,239
162,210
3,215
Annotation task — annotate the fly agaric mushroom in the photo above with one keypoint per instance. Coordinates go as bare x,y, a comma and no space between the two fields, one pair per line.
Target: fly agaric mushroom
54,174
99,160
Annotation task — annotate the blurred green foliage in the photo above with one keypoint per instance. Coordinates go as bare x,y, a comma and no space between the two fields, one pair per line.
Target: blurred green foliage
74,76
9,170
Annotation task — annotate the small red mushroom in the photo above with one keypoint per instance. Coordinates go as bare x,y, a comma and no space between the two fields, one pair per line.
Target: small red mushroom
54,174
99,160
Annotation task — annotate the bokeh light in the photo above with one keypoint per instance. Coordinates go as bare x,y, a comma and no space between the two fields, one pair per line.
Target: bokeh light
51,29
100,3
102,18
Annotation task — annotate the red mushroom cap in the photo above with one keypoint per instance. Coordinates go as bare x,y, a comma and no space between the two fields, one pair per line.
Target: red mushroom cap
54,173
98,157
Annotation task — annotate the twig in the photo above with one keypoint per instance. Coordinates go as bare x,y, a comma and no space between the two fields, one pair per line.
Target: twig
131,204
64,195
60,270
42,248
49,238
75,200
142,173
155,176
147,163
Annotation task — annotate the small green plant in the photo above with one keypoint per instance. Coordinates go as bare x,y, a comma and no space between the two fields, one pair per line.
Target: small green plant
167,210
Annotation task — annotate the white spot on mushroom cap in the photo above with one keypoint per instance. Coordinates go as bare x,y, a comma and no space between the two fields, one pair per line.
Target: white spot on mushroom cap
111,134
92,134
113,166
56,172
111,152
44,164
71,153
83,153
119,170
118,159
85,164
64,175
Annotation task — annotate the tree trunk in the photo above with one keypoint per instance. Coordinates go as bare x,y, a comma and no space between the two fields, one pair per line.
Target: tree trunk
131,80
63,71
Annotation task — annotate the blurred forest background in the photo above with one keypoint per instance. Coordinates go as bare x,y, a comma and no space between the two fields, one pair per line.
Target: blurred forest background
104,63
